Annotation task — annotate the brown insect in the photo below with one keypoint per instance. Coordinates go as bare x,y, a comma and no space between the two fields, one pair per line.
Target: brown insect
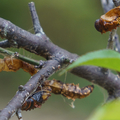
37,99
108,21
13,64
69,90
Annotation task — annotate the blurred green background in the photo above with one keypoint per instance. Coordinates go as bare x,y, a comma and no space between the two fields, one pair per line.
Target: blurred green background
70,25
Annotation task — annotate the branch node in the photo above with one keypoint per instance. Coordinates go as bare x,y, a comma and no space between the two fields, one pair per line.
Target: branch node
59,66
19,114
104,71
40,64
16,54
21,88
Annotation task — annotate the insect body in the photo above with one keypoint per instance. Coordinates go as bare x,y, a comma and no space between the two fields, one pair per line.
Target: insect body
37,99
108,21
69,90
13,64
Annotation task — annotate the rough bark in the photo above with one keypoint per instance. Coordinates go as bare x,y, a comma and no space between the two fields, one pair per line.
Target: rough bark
57,58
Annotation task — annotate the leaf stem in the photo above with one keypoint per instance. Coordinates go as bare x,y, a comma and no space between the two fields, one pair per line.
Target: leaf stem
16,55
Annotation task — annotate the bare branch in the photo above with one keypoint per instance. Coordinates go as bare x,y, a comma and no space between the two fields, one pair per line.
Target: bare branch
111,39
107,5
37,27
116,2
94,75
20,97
35,19
57,58
117,44
40,45
48,50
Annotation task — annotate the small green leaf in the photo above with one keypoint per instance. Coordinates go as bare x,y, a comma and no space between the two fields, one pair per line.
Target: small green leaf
110,111
103,58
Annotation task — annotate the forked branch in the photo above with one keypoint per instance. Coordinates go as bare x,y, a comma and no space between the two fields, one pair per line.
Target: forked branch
56,57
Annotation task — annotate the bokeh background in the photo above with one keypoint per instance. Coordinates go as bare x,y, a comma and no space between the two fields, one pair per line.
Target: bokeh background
70,25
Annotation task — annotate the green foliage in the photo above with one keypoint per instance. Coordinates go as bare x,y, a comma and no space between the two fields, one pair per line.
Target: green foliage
103,58
109,111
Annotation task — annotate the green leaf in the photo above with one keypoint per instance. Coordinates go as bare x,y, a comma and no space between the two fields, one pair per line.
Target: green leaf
110,111
103,58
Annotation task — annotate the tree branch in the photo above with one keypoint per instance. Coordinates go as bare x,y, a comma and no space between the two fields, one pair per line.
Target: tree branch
117,44
57,58
20,97
56,53
116,2
94,75
107,5
37,27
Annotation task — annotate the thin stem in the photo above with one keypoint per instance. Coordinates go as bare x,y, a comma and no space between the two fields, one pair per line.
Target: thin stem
107,5
111,39
117,44
35,19
5,52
